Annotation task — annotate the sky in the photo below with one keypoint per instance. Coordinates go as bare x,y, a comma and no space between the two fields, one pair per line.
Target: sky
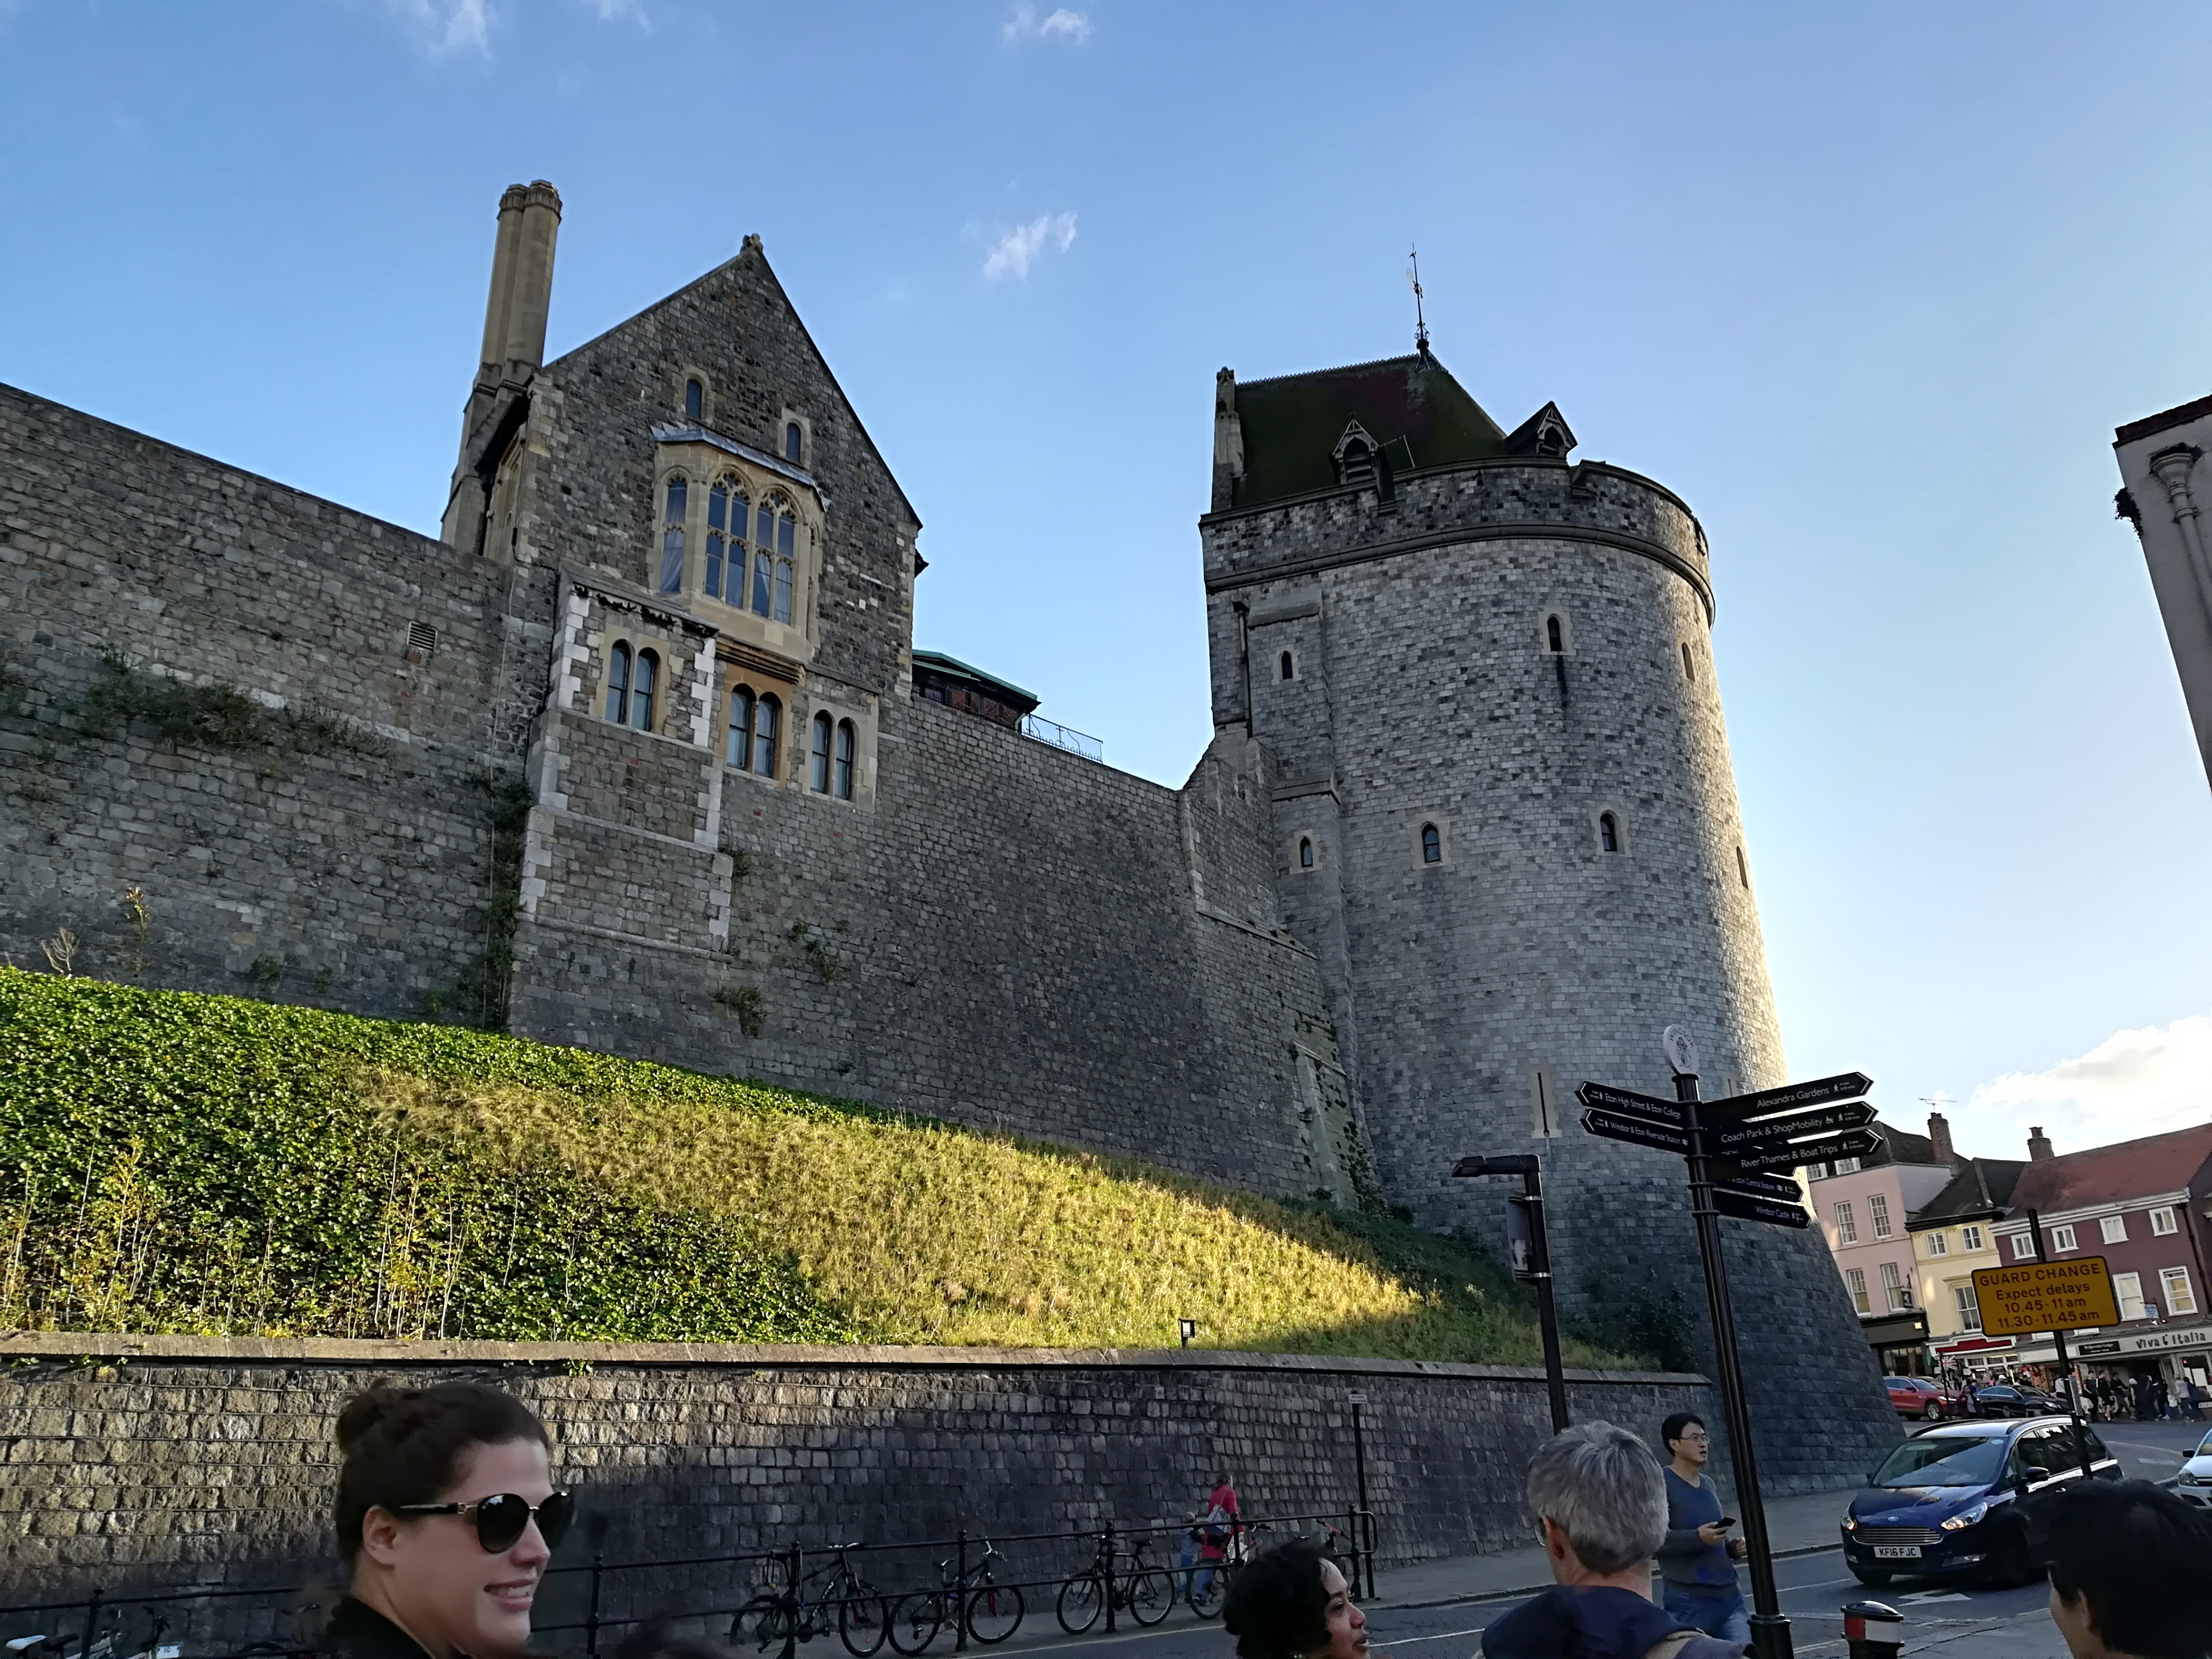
1868,286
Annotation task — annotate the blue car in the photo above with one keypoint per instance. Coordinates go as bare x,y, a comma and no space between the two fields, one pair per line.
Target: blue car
1945,1504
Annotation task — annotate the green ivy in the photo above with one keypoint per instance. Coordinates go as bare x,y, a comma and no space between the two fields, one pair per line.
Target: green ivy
177,1163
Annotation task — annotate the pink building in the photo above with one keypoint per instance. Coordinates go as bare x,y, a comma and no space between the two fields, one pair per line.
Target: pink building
1863,1205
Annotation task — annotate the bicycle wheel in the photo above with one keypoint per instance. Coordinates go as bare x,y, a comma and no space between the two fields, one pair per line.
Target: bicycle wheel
915,1620
1207,1586
1150,1595
863,1620
1079,1601
995,1612
764,1622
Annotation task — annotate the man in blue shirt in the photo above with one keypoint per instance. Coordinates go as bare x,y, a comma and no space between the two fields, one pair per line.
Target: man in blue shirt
1697,1560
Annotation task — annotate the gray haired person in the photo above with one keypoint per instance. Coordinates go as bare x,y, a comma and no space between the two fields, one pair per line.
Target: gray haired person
1600,1508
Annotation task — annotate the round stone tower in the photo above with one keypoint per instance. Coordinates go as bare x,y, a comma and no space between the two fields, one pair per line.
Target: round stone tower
1507,823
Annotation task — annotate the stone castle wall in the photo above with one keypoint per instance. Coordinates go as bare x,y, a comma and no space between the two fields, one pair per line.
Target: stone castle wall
193,1461
1423,692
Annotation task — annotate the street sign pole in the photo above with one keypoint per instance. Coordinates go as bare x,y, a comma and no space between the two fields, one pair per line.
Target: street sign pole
1769,1630
1528,1206
2082,1459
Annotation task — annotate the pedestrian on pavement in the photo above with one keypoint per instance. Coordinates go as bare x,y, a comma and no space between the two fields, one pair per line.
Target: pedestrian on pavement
1291,1602
2128,1577
446,1516
2160,1400
1601,1507
1696,1562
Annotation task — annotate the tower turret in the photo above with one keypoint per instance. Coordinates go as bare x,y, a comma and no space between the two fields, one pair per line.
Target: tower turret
1507,824
514,349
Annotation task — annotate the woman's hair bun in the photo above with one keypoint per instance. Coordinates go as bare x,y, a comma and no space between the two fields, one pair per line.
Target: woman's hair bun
376,1404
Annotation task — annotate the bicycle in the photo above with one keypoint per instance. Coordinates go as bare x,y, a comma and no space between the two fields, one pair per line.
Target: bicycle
992,1611
775,1617
1146,1593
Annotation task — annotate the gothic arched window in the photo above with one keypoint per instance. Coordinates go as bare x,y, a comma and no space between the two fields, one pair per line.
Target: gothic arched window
1432,845
737,746
820,776
1554,636
793,440
718,521
641,690
845,744
695,400
1290,669
1689,668
618,684
671,538
1306,852
1608,832
768,713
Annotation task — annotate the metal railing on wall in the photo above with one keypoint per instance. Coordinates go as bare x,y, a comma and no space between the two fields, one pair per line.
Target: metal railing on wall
874,1598
1063,737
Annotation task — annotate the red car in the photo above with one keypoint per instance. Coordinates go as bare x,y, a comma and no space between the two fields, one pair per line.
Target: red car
1923,1397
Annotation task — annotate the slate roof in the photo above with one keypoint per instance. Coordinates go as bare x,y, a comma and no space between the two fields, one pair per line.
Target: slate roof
1900,1147
2110,1174
1981,1189
1412,406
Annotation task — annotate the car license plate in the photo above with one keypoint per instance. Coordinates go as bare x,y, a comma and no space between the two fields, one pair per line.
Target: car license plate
1897,1552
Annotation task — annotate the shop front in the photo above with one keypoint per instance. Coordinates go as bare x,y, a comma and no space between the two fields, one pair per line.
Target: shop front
1899,1341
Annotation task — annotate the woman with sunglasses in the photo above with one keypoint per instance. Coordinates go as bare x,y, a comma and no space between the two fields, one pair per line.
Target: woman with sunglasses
447,1516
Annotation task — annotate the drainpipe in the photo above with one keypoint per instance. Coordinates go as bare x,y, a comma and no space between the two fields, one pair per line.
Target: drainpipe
2172,467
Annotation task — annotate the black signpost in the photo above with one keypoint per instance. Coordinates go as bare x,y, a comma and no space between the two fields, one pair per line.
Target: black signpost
1727,1144
1530,1250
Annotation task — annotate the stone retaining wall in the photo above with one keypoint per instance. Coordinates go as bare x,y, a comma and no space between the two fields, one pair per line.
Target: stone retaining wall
152,1461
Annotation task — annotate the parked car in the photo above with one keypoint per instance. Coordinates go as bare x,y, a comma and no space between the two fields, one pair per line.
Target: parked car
1918,1397
2194,1484
2013,1400
1944,1504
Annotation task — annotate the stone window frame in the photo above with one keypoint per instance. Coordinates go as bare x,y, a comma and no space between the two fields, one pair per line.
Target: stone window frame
844,715
1441,822
1305,839
701,473
737,683
634,654
685,375
1545,617
1623,846
786,417
1286,668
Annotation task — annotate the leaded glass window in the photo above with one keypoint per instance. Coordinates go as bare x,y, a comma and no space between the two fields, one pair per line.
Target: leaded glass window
845,745
618,685
672,538
767,714
738,746
641,690
718,520
820,778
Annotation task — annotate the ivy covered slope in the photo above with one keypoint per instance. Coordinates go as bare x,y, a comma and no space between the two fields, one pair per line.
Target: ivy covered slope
213,1165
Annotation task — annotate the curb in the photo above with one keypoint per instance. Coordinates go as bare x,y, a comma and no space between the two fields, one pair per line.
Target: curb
1535,1590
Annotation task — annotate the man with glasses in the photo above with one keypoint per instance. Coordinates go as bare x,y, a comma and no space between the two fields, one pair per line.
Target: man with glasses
1697,1560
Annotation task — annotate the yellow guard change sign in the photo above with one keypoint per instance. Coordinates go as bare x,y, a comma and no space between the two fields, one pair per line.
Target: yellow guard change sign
2045,1296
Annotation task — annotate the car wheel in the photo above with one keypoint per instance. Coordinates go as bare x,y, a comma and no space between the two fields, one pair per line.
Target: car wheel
2010,1564
1931,1413
1872,1577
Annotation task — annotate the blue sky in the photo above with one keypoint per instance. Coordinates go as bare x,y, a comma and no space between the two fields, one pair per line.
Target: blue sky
1868,286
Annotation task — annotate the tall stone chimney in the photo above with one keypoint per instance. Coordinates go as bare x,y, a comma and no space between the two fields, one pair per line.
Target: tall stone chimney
514,348
2039,1146
1939,1136
1228,441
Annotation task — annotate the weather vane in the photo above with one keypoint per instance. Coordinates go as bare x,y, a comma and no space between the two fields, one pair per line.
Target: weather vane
1421,323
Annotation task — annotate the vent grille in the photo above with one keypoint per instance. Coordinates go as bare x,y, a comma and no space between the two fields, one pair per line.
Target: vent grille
422,640
1897,1534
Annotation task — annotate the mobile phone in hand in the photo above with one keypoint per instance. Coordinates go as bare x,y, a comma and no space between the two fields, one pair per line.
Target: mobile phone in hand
1725,1521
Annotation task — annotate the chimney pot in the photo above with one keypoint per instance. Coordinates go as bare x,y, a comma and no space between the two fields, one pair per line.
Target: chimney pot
1939,1136
2039,1145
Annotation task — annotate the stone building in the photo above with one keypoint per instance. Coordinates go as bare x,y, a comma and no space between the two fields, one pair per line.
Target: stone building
2158,458
639,756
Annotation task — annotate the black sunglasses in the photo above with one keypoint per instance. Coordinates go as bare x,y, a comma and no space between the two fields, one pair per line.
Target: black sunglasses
501,1520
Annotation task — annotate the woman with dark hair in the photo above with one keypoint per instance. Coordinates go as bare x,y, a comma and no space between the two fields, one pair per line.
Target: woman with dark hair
446,1516
1291,1602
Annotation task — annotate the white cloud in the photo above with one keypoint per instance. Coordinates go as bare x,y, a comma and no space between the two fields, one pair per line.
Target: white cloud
617,11
1059,23
1014,253
2133,1084
449,26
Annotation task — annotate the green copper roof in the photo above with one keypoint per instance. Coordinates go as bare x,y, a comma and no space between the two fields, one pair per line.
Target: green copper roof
1410,405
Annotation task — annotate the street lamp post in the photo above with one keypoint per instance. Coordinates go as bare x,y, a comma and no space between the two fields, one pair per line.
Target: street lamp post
1529,1252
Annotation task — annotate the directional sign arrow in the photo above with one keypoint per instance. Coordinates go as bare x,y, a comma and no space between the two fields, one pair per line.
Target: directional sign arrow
1614,1127
1774,1130
1744,1207
1648,1107
1790,1096
1852,1143
1759,1185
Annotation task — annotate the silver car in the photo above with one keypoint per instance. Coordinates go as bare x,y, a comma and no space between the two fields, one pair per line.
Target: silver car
2194,1483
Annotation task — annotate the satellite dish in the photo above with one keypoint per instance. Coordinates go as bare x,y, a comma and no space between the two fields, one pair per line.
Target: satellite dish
1682,1050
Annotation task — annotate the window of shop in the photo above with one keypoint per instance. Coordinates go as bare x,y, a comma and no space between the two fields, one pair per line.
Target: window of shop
2128,1288
2180,1294
1970,1306
2114,1228
1970,1239
1878,1212
1847,1225
2062,1238
2161,1221
1938,1244
1894,1287
1854,1279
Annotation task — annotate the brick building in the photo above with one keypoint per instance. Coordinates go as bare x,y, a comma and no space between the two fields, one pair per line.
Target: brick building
639,755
